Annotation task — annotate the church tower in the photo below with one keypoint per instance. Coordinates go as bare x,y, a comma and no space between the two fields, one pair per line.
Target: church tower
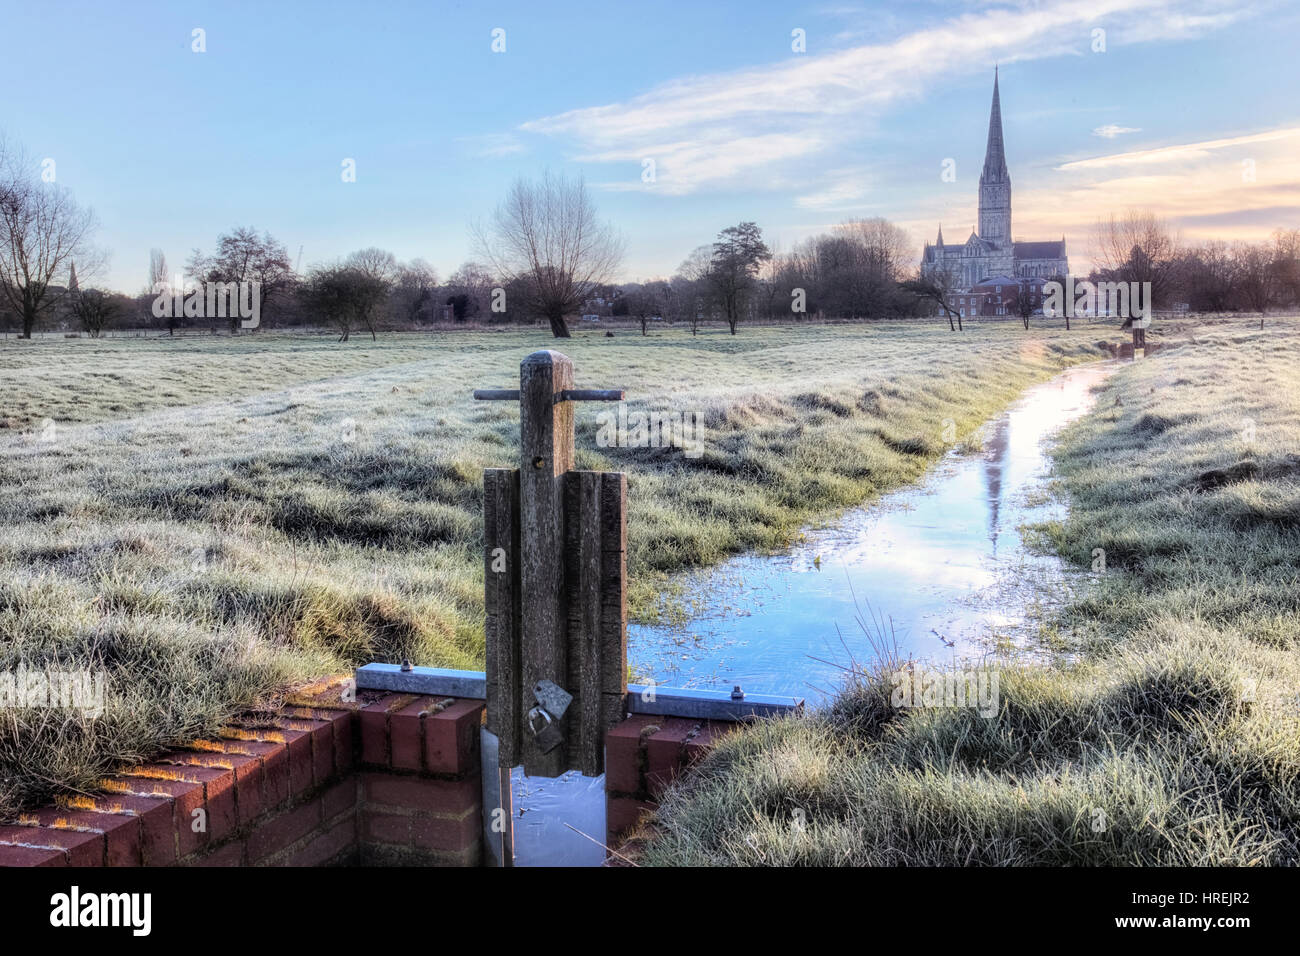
995,182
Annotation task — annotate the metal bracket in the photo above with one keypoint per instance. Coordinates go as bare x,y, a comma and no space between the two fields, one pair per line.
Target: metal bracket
432,681
708,704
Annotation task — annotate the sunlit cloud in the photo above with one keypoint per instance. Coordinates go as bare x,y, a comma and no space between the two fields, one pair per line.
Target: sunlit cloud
1179,153
1240,187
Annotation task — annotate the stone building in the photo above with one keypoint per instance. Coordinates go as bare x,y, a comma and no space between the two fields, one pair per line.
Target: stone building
990,250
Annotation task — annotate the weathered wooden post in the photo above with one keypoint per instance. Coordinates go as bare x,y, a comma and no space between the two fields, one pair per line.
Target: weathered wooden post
1139,326
555,584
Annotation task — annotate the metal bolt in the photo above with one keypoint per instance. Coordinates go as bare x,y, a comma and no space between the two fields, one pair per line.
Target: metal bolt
406,666
737,693
539,461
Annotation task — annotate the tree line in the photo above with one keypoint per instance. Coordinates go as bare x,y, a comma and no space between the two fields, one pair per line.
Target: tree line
545,256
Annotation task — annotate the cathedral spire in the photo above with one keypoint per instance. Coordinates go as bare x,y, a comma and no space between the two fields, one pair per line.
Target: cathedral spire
940,242
995,157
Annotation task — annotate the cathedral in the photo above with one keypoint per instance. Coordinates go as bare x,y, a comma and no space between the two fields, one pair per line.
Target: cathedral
991,252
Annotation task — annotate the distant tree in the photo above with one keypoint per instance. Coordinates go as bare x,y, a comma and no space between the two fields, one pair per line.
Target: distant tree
42,229
546,238
1207,276
327,292
1022,300
767,286
344,295
414,292
737,255
94,309
694,288
371,273
470,291
1256,275
937,288
160,284
645,301
1139,247
244,256
1286,264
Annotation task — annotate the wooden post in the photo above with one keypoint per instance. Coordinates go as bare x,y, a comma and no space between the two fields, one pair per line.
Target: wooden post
546,448
596,589
502,607
556,606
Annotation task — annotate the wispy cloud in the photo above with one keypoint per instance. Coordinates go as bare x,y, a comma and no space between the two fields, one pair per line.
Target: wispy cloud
1110,130
697,127
1181,152
843,191
494,145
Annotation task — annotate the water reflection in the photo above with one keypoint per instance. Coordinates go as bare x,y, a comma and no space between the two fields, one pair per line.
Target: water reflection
939,559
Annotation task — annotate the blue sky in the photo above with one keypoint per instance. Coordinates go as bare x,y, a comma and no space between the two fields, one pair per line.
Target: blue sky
1191,110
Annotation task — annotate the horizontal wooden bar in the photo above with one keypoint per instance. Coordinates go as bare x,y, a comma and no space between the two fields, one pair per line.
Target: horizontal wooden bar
590,395
496,394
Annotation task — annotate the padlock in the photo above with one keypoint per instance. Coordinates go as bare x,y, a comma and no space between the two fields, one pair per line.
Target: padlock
547,735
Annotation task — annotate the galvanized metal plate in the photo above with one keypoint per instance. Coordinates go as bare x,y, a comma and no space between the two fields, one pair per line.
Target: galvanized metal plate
708,704
432,681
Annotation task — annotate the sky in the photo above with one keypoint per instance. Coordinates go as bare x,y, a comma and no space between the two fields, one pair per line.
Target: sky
683,118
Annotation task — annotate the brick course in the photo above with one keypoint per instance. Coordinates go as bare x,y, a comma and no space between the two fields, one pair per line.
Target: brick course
392,778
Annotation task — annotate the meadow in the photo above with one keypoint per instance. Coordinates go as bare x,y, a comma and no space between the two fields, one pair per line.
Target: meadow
209,521
1166,728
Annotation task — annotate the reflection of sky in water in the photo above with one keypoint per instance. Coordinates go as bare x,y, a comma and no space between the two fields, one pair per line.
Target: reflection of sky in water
931,558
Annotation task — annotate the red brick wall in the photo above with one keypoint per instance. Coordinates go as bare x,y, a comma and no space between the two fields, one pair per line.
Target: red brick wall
320,781
420,789
642,756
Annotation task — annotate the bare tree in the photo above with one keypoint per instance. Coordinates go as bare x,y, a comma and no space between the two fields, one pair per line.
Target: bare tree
42,229
160,284
937,288
470,291
546,237
244,256
370,273
1286,264
94,309
646,300
1022,300
414,291
695,291
738,253
1207,276
1256,275
1138,247
345,295
328,291
157,269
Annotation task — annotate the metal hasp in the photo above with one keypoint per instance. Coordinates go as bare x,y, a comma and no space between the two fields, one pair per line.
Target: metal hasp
708,704
429,681
555,583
